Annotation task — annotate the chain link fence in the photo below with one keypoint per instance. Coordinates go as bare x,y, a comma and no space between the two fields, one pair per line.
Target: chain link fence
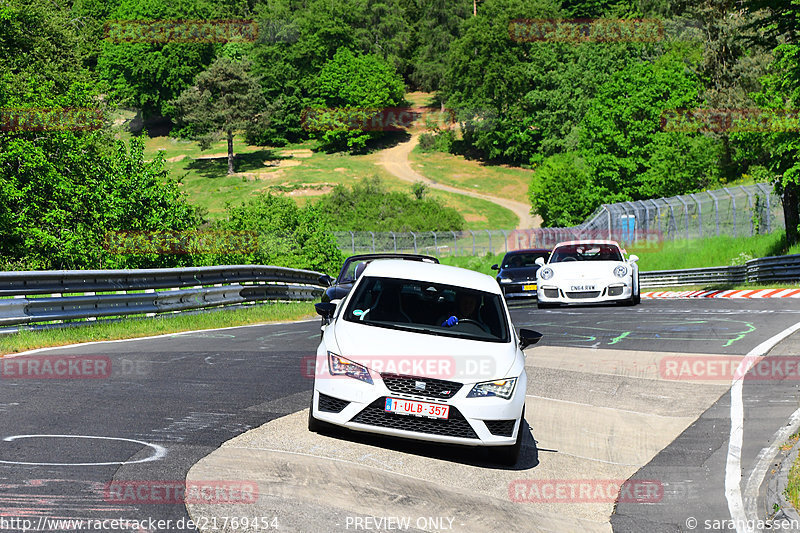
735,211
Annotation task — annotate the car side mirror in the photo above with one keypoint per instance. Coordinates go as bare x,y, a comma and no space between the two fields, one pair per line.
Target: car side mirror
325,280
528,337
325,309
633,258
540,261
495,267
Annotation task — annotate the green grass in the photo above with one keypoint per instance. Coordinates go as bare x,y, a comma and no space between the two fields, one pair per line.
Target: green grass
143,327
710,252
496,180
671,255
792,491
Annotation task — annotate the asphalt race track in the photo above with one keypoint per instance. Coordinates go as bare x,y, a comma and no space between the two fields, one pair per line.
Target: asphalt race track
170,401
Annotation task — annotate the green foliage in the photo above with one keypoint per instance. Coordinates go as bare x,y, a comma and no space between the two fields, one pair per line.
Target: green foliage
629,154
148,75
364,84
369,206
561,191
442,141
288,235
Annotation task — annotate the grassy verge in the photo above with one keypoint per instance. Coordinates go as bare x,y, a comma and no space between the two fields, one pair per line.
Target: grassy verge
482,264
792,492
713,251
143,327
495,180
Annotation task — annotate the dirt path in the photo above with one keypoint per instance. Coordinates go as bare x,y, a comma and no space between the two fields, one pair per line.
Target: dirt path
395,160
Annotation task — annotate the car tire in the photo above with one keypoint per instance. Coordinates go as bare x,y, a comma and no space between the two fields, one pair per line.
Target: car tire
314,425
509,455
638,298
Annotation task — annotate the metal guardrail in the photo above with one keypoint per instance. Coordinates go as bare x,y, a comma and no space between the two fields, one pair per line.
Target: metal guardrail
765,269
73,294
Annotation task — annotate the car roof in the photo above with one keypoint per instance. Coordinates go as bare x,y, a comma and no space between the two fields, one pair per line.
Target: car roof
436,273
388,255
529,251
588,241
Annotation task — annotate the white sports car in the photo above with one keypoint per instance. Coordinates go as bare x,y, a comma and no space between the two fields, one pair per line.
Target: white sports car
588,271
423,351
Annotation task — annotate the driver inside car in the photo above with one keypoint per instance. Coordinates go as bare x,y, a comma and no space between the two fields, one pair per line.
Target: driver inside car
467,309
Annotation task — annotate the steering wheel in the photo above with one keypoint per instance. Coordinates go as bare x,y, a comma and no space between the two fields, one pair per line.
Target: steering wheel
569,259
470,321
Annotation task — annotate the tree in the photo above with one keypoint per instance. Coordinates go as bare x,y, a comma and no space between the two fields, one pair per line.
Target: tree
348,91
779,147
224,99
561,191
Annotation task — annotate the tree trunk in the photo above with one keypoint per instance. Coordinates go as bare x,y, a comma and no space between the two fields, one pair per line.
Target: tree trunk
791,216
230,152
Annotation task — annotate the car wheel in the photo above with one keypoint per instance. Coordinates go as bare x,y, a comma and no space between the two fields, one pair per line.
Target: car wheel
314,425
509,455
638,298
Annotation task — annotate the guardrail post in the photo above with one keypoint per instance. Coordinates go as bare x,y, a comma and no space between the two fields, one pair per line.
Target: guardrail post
658,214
455,242
435,245
353,241
394,241
733,204
373,241
490,240
608,212
505,240
415,240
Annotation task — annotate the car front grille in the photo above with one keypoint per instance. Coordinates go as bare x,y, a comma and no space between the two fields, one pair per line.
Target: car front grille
551,293
454,426
501,428
433,388
329,404
583,294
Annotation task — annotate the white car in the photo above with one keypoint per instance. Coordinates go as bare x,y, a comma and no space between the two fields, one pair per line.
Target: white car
423,351
588,271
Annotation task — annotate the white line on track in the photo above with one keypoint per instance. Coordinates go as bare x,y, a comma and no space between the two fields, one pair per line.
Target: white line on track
733,466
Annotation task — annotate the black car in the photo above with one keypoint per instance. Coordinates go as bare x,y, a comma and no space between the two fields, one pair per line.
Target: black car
517,272
338,288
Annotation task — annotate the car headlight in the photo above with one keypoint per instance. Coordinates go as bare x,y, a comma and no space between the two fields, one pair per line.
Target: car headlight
339,366
502,388
505,280
546,273
620,271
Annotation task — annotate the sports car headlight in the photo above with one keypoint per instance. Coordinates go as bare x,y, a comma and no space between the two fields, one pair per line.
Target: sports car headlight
546,273
620,271
505,280
339,366
502,389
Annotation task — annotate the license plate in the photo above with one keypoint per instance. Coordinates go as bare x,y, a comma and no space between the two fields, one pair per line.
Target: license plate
411,407
529,287
578,288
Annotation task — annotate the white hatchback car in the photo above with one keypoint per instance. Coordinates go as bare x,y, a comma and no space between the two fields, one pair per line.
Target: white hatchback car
423,351
588,271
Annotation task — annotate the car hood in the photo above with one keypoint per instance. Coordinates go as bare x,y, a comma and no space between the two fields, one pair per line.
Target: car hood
524,273
597,269
397,350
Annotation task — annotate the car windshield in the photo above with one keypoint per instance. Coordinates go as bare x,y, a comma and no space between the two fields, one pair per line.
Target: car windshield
348,273
425,307
586,252
523,260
